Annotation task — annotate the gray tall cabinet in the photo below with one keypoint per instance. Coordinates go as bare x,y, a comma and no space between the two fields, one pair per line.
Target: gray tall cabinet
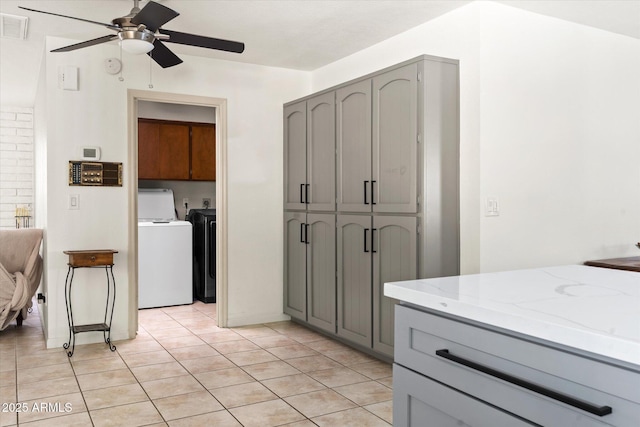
371,196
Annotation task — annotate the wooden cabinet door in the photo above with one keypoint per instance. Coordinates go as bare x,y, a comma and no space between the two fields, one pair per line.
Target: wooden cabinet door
295,295
354,278
203,152
321,271
353,140
395,140
148,150
321,153
295,155
174,151
395,258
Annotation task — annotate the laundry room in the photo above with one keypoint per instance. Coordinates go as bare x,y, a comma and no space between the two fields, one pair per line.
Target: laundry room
176,203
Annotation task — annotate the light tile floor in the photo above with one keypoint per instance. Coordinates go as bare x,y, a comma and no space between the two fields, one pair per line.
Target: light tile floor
183,370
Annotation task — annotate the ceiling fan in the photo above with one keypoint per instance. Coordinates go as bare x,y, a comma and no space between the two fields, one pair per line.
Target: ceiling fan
140,32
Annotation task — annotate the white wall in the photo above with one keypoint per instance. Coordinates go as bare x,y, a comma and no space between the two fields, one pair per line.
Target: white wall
560,141
97,113
549,126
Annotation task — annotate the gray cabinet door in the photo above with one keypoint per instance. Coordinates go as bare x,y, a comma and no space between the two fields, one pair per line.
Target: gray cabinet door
394,259
354,278
295,302
353,140
395,133
321,153
419,401
321,271
295,155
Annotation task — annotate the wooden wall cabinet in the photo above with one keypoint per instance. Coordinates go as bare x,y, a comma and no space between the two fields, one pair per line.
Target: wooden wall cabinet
176,150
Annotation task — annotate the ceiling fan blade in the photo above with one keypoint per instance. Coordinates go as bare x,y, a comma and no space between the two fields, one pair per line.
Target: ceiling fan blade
163,56
88,43
154,15
202,41
113,27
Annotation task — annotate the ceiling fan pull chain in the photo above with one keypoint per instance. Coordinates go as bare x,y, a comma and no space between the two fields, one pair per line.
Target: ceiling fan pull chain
120,78
150,67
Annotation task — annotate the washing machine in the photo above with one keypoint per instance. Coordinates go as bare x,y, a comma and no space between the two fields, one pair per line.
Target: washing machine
164,251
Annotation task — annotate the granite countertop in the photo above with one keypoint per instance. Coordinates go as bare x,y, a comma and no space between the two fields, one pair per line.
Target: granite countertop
592,309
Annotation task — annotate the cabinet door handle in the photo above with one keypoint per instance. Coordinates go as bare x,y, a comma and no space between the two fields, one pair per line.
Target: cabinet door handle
373,239
365,193
301,231
301,193
365,240
569,400
373,192
306,194
306,233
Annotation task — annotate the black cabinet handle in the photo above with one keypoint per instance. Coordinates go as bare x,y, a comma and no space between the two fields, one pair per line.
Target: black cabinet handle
301,191
365,240
569,400
373,238
301,231
306,193
373,192
365,192
306,233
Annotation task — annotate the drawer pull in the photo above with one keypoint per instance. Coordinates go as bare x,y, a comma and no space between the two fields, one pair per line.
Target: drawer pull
577,403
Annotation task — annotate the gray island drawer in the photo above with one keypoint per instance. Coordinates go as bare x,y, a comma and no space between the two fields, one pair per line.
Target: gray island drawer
419,334
422,402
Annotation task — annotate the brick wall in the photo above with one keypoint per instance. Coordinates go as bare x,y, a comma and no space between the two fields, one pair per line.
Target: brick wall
16,163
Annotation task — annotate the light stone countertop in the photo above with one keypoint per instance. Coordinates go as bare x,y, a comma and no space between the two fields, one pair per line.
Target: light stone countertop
592,309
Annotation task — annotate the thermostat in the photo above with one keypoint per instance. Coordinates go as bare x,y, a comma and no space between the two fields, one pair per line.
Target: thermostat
90,153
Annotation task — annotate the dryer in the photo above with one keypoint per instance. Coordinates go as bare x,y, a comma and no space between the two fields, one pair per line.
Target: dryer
204,253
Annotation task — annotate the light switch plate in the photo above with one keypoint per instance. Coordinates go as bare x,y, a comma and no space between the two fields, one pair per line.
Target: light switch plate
74,201
491,207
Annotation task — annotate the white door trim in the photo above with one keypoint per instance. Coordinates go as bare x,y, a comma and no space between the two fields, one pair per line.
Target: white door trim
220,105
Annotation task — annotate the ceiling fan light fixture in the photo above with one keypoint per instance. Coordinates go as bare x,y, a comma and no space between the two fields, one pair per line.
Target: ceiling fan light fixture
136,42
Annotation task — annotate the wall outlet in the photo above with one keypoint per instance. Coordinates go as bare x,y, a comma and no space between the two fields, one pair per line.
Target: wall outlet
185,202
206,203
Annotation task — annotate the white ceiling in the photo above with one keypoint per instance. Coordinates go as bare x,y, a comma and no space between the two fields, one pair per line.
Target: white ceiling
298,34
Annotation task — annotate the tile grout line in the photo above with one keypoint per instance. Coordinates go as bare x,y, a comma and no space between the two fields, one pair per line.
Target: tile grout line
75,376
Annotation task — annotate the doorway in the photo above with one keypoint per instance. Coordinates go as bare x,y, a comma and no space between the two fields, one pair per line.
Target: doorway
219,105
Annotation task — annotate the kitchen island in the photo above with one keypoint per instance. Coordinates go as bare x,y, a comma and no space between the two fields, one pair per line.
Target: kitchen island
556,346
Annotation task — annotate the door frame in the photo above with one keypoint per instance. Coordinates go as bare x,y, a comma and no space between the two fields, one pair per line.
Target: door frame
220,105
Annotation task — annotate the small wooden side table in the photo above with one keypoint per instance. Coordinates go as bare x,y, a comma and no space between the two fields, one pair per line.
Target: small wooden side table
90,259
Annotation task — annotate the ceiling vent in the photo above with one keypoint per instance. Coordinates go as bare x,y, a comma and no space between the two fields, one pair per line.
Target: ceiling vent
13,26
